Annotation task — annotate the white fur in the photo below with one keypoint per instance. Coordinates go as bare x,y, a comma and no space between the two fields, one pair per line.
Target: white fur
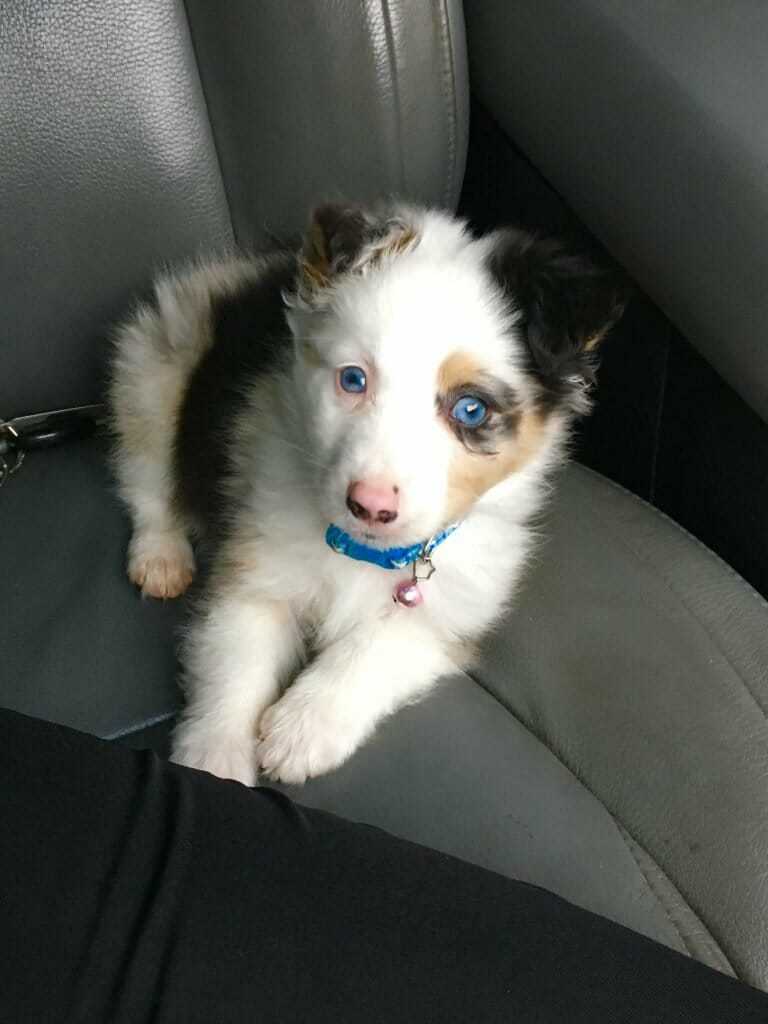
156,352
281,604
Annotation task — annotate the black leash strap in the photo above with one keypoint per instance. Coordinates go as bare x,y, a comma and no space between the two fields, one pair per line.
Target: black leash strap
44,430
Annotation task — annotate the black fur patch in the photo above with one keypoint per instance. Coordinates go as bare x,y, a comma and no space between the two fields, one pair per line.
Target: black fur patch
251,338
339,232
568,304
502,421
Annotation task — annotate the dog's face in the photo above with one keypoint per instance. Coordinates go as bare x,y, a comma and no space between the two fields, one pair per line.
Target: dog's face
432,366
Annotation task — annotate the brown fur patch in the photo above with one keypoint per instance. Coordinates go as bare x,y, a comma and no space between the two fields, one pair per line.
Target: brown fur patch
594,341
458,369
401,242
313,277
472,473
310,355
316,252
316,265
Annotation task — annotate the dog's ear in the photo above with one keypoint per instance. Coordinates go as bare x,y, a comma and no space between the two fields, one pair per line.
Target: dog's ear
566,305
336,237
345,237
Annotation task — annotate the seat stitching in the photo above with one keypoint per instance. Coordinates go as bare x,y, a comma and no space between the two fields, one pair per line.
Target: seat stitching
214,138
659,418
656,892
619,825
448,89
129,730
386,17
661,896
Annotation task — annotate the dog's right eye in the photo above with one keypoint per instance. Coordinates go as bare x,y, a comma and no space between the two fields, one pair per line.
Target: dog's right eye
352,379
470,411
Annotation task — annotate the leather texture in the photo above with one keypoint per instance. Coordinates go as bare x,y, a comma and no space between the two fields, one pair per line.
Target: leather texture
312,100
641,659
108,168
647,118
78,646
611,744
110,164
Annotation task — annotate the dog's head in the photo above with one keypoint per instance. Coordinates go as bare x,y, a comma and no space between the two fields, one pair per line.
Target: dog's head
432,366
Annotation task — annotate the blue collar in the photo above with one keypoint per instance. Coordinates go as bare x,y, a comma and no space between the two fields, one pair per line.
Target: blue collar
389,558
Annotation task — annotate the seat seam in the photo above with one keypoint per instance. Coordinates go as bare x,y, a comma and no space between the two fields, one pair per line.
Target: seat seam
214,138
657,891
448,89
616,821
644,560
130,730
659,421
386,18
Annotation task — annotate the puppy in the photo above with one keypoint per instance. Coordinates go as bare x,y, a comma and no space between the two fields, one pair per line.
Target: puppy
365,429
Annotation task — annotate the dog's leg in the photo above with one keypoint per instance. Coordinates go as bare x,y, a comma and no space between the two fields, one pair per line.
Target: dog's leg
160,558
146,394
156,352
234,660
338,700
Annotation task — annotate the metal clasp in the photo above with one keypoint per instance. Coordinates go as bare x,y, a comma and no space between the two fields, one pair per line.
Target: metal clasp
426,561
42,430
9,439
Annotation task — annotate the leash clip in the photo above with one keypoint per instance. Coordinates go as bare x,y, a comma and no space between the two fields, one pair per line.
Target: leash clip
42,430
9,446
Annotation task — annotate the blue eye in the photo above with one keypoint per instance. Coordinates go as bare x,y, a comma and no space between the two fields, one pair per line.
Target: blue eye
352,379
470,411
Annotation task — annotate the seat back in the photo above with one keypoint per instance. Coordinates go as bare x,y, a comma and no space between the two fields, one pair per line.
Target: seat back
138,134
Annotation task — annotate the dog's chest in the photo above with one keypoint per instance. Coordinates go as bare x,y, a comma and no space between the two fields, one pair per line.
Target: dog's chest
343,596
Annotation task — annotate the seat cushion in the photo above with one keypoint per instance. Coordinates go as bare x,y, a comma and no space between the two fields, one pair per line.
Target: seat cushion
611,744
79,646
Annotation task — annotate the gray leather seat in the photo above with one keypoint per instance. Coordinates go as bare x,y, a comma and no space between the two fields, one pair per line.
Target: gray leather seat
137,134
612,743
650,119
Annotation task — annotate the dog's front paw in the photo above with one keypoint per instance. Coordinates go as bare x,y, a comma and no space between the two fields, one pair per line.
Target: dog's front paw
227,755
161,564
301,737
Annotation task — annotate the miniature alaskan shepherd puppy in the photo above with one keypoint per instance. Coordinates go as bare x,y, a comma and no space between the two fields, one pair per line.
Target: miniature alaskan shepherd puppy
365,428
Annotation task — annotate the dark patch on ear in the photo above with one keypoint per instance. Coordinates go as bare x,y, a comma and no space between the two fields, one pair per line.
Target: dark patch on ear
567,305
344,237
336,235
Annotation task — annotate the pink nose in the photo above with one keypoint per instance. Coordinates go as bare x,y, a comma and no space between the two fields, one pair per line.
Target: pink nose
373,501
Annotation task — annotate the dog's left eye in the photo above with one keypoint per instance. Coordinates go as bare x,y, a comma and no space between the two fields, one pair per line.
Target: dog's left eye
352,379
470,411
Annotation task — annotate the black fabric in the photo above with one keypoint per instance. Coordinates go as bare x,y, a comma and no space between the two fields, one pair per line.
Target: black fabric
137,891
